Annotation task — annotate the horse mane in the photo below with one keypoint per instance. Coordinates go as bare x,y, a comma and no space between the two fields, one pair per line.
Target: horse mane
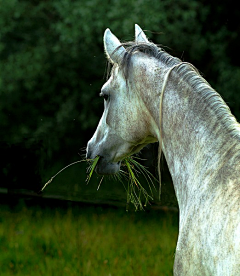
188,73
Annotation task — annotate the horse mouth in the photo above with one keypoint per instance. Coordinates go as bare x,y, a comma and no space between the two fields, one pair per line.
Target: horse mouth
104,167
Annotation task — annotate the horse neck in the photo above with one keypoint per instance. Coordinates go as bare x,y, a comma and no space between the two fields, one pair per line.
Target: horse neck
195,142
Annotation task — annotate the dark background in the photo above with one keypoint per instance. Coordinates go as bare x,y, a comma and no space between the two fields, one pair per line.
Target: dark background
52,67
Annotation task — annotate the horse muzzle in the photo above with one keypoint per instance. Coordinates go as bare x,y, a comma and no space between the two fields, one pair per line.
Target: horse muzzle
104,166
107,168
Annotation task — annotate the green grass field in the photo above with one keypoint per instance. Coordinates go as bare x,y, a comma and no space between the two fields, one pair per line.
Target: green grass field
85,240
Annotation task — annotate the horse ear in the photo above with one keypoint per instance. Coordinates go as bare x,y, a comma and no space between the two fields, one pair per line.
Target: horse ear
113,48
140,35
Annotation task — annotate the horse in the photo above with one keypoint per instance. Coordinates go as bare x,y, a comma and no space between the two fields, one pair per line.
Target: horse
150,97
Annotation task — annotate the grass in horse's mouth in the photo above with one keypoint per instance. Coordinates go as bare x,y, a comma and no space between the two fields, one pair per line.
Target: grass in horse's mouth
131,169
136,192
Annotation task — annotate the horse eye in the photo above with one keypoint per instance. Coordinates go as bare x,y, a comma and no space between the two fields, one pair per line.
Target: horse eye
105,96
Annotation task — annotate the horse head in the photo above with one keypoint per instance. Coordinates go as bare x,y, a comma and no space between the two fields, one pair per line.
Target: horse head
127,123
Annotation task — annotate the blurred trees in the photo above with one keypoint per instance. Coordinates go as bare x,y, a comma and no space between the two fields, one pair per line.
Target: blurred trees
52,62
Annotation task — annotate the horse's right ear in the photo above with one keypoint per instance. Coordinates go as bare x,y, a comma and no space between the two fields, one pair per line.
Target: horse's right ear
113,47
140,35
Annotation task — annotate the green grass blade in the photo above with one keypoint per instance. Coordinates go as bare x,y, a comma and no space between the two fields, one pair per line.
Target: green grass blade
92,168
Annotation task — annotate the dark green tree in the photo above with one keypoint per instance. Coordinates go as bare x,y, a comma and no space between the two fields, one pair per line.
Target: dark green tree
52,63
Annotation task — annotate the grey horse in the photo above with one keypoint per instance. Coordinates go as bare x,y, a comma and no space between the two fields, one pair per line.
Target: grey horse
152,96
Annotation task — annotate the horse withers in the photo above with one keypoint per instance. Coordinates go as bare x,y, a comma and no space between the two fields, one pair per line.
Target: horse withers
152,96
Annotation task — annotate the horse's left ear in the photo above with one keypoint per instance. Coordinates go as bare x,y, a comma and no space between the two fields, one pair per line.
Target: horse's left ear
113,47
140,35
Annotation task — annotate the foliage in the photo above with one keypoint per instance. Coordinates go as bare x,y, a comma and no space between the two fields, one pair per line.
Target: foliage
52,62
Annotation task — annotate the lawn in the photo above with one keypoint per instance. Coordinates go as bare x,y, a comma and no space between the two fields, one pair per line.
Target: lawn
39,238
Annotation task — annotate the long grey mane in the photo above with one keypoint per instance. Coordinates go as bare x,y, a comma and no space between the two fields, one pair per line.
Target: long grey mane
190,74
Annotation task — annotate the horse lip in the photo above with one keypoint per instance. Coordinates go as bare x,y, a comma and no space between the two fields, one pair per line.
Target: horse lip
104,167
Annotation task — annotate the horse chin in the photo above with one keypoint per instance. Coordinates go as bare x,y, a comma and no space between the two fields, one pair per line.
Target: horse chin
107,168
